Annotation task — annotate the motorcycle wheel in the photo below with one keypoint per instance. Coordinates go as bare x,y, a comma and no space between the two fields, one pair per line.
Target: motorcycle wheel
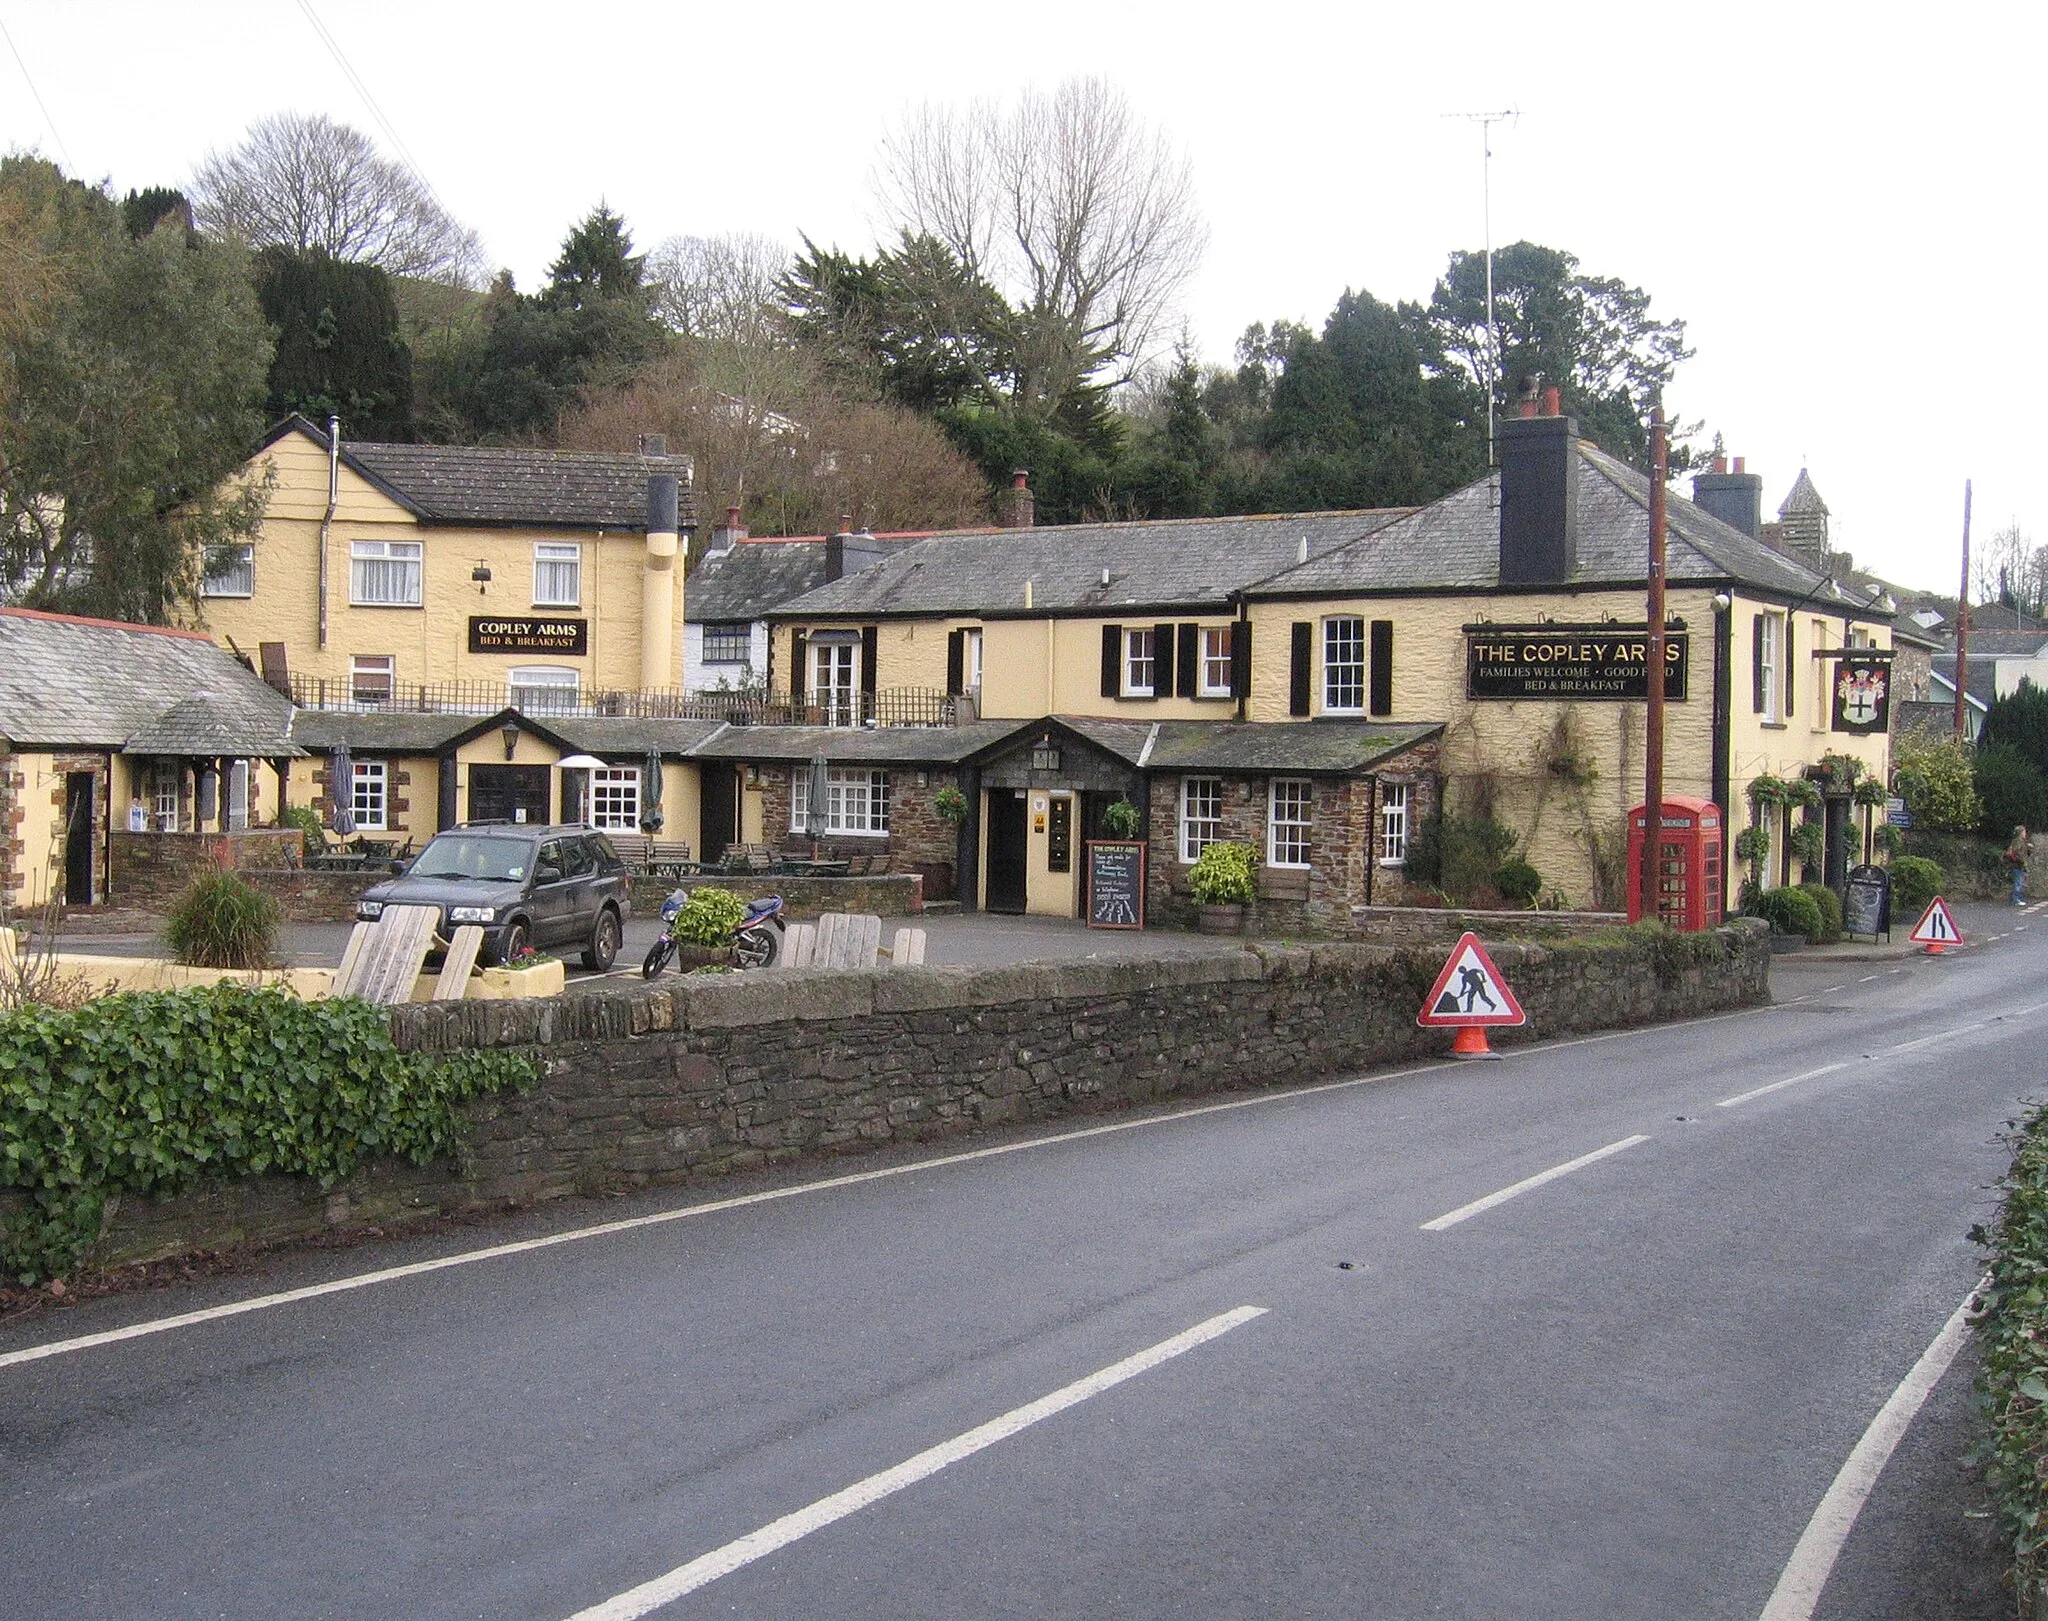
755,948
657,958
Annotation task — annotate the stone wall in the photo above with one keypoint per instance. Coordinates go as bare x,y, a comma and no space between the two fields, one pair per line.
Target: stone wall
152,869
896,894
696,1078
315,897
1408,925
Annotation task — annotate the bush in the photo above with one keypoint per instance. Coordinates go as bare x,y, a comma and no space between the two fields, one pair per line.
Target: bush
1459,855
1830,905
1121,818
222,922
709,916
951,804
147,1094
2012,1343
2010,792
1519,882
1809,841
1222,875
1790,911
1936,782
1915,882
307,821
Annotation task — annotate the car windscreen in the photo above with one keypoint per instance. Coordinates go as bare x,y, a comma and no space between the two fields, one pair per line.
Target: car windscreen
475,855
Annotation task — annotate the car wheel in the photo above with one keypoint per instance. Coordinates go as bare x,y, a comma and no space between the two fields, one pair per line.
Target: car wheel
515,940
603,949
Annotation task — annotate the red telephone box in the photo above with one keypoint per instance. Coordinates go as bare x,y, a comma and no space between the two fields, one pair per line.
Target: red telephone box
1688,863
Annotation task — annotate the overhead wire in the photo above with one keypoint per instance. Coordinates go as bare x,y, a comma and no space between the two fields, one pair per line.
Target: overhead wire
43,107
369,101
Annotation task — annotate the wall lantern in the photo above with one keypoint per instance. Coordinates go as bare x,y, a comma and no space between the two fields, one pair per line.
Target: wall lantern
481,575
1044,757
510,733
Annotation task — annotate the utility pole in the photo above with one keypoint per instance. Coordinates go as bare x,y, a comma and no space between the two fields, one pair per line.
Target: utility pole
1963,628
1653,729
1486,121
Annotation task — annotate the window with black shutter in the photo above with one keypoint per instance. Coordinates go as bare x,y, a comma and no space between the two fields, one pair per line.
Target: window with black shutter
1163,661
1757,692
1112,660
956,663
1241,659
1301,667
870,647
1185,657
1381,690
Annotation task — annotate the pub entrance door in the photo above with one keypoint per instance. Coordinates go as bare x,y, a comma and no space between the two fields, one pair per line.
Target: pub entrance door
79,822
1009,843
720,814
509,793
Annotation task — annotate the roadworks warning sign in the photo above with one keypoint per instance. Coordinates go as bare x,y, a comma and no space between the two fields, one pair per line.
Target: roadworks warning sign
1470,992
1937,926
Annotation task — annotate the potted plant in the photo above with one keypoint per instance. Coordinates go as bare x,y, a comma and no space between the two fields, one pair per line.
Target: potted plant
1221,882
1809,843
1121,818
951,804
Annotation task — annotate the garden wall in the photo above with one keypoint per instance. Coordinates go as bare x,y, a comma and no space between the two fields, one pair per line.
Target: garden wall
896,894
700,1077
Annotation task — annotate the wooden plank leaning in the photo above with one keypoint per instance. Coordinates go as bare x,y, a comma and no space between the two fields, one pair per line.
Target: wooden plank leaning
906,949
453,985
391,958
831,941
351,955
799,946
866,932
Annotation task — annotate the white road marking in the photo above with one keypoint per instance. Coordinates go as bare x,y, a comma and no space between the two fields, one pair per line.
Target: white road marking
735,1555
1813,1559
1865,980
1465,1212
1789,1080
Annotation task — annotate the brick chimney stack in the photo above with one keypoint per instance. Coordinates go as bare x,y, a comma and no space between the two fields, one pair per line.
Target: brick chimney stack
1539,491
1018,507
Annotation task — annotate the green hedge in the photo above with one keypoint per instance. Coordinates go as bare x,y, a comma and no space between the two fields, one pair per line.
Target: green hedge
1790,910
2012,1339
1830,905
148,1094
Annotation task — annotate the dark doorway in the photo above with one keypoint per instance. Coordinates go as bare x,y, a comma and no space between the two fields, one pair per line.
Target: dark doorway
508,793
1008,845
1840,830
719,811
79,823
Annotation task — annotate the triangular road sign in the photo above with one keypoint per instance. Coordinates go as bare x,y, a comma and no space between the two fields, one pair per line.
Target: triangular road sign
1937,926
1470,991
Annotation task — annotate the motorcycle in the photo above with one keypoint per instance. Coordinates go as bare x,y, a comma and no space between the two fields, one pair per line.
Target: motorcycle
756,938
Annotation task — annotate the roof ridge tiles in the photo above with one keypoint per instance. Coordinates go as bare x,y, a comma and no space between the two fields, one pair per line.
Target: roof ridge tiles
105,624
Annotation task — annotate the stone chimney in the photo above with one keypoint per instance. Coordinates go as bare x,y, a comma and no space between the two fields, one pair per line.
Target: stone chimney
1539,493
654,444
727,534
1736,498
1018,507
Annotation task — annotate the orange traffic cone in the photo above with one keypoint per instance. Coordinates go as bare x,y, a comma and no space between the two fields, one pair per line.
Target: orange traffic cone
1470,1042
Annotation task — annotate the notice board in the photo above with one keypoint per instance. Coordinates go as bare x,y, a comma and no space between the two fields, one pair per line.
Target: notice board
1116,883
1867,902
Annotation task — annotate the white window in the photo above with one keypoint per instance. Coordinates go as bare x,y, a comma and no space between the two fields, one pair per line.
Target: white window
369,677
1216,661
1201,815
730,642
1344,666
1141,663
164,791
970,645
369,799
615,799
1818,686
230,572
543,687
1393,823
1770,641
1290,800
557,574
835,680
385,573
856,800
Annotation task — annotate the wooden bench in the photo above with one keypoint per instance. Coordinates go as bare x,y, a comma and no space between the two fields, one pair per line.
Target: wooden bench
383,959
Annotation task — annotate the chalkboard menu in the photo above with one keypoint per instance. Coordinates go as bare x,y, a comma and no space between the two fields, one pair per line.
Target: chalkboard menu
1867,902
1116,883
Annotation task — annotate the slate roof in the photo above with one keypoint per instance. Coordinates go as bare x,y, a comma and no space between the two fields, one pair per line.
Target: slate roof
1454,545
1155,566
1249,748
1803,498
620,734
376,731
758,576
511,485
408,732
1983,682
2011,644
855,745
97,684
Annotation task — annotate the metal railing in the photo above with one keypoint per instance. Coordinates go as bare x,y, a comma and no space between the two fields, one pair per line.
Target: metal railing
893,706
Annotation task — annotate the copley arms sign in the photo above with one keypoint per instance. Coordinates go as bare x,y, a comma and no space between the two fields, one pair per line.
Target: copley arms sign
1569,661
529,635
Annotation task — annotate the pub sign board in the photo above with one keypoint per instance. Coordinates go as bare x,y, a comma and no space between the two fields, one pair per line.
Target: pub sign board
1863,697
1583,662
1116,883
491,635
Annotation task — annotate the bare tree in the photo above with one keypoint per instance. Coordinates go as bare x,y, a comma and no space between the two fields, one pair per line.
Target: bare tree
1070,207
719,287
303,181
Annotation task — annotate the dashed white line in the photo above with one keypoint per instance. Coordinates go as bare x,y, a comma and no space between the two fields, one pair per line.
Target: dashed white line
1465,1212
1813,1559
1777,1086
735,1555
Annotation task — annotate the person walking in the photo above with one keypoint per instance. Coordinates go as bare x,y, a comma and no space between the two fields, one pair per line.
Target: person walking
2017,854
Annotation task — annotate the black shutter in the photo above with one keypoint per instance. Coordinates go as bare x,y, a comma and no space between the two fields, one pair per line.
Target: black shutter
1241,659
1162,661
1791,664
1301,667
1112,660
870,646
1382,668
1756,664
1185,675
799,671
956,663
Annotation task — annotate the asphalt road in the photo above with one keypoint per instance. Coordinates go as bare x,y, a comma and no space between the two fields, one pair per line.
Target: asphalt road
1621,1393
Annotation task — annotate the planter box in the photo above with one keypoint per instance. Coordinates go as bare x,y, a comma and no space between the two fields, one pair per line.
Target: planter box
1219,919
509,984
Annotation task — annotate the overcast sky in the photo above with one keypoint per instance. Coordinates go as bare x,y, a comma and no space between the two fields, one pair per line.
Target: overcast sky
1831,197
